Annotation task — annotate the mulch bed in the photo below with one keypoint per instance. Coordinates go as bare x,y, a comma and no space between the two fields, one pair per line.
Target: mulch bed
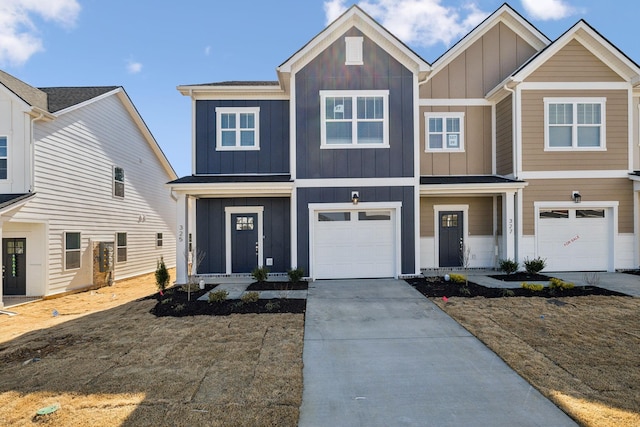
437,287
521,276
278,286
175,302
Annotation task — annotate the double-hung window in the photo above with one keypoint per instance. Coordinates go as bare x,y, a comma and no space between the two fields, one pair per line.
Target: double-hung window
71,250
354,119
121,247
3,157
574,123
444,131
118,181
238,128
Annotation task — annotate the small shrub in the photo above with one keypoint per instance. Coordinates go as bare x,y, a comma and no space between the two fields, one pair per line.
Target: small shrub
464,290
533,287
560,285
458,278
218,296
508,266
534,266
190,287
507,293
272,305
295,274
260,274
248,297
162,275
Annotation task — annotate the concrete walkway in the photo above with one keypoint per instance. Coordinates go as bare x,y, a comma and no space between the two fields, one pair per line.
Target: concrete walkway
378,353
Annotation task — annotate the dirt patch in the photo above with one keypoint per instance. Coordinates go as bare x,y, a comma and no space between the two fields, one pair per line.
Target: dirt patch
107,360
580,352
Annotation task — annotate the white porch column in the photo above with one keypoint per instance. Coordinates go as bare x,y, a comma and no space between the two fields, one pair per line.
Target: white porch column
182,245
509,224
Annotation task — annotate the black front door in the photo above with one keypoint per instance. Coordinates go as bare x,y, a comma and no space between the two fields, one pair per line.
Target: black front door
244,242
451,240
14,263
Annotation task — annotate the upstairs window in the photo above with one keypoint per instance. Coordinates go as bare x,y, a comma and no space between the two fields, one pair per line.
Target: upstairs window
444,131
574,123
238,128
118,181
355,119
3,157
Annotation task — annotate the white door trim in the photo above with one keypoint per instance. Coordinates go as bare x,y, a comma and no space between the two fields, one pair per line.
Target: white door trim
395,207
228,211
436,222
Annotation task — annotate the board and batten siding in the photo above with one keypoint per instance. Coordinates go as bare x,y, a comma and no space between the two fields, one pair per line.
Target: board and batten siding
574,63
75,155
14,125
534,158
591,190
271,158
480,214
504,136
380,71
476,157
480,67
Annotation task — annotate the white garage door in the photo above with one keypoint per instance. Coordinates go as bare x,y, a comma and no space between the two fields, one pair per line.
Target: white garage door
354,244
575,239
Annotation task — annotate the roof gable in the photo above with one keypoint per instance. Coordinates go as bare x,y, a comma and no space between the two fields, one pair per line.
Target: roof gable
29,94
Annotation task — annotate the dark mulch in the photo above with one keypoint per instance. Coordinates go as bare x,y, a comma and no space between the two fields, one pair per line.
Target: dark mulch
278,286
521,276
437,287
634,272
175,302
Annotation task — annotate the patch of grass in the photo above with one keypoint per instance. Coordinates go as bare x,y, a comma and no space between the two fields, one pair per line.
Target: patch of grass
249,297
218,296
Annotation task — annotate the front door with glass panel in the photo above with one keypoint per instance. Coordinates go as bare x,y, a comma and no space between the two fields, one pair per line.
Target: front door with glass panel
450,238
244,242
14,263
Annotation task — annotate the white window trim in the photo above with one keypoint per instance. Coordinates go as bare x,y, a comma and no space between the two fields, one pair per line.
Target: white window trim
118,247
574,125
324,94
353,51
161,240
64,249
124,181
444,149
237,111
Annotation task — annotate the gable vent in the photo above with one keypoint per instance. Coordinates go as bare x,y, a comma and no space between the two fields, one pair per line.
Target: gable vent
353,50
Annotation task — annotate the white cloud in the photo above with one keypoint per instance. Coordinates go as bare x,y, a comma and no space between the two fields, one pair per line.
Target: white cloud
134,67
417,22
19,37
548,9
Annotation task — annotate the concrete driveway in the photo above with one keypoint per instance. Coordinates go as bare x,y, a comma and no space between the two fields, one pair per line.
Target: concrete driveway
378,353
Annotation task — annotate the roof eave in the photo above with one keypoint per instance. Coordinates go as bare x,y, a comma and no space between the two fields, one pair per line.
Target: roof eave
480,188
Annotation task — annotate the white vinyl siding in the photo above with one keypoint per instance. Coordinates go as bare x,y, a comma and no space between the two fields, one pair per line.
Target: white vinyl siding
444,132
354,119
574,123
237,128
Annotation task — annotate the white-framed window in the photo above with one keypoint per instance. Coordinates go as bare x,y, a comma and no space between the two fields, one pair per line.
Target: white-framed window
444,131
354,119
121,247
159,240
72,242
4,157
237,128
118,181
574,124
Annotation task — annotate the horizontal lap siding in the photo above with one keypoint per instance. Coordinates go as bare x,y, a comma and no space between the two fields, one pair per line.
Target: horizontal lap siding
480,214
476,158
210,226
273,156
534,158
340,195
504,137
591,190
379,72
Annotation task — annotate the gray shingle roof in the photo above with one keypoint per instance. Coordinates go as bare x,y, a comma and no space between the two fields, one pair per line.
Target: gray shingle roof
27,93
9,199
60,98
466,179
216,179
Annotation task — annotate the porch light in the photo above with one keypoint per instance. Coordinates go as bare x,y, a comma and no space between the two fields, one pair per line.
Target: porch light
355,197
576,197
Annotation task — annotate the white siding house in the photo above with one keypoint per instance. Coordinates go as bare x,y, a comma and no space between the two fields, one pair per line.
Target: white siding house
82,169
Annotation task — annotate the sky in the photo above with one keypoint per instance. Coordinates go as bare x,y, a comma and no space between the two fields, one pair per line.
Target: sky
152,46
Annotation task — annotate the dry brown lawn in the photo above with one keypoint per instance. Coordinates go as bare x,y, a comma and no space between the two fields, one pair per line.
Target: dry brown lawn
105,360
580,352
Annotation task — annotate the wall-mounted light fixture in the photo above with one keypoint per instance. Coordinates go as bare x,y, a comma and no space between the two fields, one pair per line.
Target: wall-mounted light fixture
575,195
355,197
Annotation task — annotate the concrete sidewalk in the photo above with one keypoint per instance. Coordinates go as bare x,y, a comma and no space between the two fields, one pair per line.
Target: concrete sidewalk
378,353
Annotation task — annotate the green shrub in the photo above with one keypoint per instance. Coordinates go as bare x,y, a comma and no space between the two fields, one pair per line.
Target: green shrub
248,297
458,278
162,275
507,293
534,266
508,266
260,274
560,285
533,287
464,290
272,305
218,296
295,274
